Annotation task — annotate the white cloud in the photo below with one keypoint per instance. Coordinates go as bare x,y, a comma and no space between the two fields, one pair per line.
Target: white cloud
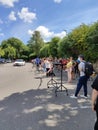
46,34
61,34
1,34
9,3
30,32
57,1
12,16
26,16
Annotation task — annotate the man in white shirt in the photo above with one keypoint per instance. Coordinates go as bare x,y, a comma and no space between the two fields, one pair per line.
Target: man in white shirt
82,79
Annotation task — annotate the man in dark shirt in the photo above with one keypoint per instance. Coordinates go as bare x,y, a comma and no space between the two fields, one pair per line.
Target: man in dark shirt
95,100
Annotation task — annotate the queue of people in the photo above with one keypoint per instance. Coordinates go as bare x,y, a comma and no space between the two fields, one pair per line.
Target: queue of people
73,68
69,65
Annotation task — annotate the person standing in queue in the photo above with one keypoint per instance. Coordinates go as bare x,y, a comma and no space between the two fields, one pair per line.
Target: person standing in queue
37,62
69,67
94,100
82,82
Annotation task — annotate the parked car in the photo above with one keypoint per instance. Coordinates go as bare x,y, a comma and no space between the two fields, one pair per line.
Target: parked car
8,61
2,60
19,62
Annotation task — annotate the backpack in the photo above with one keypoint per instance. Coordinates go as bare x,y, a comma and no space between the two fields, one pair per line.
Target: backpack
88,69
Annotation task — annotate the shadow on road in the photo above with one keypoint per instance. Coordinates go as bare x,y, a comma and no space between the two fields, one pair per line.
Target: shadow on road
41,110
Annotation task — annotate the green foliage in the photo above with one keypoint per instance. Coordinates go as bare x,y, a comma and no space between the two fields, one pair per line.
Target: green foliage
9,52
4,44
44,51
13,48
35,43
77,38
32,56
82,40
1,52
53,46
63,47
24,57
92,41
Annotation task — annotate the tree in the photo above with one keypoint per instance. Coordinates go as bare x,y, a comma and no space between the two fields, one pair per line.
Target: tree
78,37
44,51
4,44
10,52
1,52
53,46
64,47
92,41
36,42
16,44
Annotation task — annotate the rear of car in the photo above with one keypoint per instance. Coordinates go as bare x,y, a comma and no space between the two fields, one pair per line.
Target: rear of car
19,62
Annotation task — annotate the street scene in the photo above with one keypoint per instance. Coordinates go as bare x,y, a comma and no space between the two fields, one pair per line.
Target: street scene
48,65
26,103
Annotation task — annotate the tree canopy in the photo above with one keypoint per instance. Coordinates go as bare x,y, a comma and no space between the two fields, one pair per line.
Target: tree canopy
81,40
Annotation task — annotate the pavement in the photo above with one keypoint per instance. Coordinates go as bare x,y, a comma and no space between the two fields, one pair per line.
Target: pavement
26,103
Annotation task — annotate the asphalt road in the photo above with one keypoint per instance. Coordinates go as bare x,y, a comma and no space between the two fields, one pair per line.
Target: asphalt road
24,105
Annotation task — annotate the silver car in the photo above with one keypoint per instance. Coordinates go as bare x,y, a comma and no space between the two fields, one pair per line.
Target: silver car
19,62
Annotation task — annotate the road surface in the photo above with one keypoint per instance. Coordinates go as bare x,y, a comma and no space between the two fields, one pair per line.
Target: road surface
24,106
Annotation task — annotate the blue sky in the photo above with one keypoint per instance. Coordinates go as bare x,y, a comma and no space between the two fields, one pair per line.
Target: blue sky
20,18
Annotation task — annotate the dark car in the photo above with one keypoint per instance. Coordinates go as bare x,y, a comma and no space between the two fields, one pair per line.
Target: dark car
2,60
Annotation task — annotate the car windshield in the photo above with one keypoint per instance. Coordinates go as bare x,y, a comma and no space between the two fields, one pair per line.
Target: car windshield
19,60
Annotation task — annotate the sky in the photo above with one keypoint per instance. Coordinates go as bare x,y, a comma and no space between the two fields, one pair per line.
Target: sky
20,18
